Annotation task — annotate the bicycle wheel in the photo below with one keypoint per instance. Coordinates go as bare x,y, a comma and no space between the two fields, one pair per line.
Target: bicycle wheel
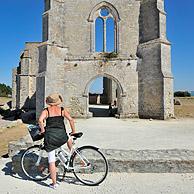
89,165
34,163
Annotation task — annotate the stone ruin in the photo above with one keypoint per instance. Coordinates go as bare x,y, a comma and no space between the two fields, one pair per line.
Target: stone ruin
137,66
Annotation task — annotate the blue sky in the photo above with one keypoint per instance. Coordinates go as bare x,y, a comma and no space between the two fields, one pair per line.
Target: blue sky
21,21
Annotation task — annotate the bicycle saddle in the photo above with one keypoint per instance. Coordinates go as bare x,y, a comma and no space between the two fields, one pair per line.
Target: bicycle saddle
77,135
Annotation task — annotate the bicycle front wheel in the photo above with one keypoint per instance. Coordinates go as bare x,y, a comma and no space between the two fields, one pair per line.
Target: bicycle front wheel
89,165
34,163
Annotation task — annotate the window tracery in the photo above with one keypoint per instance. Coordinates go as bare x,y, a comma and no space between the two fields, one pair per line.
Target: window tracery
105,21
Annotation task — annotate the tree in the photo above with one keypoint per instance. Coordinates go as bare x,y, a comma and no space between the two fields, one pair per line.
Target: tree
182,94
5,90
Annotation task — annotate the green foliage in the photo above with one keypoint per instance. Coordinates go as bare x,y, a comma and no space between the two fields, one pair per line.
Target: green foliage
182,94
111,55
5,90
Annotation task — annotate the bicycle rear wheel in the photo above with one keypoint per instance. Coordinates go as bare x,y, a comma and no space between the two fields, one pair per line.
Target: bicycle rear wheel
34,163
89,165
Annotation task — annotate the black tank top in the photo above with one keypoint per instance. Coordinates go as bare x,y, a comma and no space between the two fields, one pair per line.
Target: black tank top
55,134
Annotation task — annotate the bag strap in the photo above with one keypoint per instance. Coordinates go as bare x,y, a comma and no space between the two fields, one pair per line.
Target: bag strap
62,111
47,111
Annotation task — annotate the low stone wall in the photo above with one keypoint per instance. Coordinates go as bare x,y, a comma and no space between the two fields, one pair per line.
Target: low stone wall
151,161
15,147
142,161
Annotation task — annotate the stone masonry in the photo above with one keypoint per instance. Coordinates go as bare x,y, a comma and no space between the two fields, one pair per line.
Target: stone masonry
24,78
66,60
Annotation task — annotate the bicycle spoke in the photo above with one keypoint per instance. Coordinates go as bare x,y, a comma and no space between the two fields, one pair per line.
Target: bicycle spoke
35,163
90,166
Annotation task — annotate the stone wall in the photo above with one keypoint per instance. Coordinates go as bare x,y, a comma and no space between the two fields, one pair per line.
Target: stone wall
68,25
69,49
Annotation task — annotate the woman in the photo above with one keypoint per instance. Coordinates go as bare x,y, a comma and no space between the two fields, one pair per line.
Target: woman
55,133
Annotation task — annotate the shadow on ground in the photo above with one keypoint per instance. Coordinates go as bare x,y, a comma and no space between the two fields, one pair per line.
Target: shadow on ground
99,112
9,170
102,111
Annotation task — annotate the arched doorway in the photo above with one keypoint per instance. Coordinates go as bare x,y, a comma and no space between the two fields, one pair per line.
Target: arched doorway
104,94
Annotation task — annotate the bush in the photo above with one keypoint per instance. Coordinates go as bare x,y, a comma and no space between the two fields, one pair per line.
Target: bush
5,90
182,94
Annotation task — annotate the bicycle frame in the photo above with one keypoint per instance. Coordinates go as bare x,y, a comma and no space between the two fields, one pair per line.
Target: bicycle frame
69,154
39,158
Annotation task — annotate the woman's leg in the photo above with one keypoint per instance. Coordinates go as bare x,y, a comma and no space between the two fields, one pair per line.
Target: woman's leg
69,143
52,167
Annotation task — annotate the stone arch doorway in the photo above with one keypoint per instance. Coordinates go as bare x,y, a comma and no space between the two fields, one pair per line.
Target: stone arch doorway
104,94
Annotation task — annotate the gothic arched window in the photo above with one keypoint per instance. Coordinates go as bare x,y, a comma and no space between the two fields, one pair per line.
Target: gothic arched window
99,34
104,35
110,35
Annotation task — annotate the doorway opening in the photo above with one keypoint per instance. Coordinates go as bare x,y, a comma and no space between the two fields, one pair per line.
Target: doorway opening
103,97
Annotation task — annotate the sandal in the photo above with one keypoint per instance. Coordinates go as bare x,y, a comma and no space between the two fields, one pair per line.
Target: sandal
54,186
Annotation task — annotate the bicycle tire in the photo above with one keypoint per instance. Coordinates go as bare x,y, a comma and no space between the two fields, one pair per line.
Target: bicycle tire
28,163
92,169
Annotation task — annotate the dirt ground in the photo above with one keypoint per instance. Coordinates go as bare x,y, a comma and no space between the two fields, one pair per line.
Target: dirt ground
185,110
11,134
4,100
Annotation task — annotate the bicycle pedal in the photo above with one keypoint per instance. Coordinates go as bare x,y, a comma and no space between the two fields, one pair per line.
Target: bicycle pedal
69,170
43,170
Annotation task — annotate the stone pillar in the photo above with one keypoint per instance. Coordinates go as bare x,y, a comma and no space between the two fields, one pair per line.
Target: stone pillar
51,73
107,90
40,94
23,79
17,91
155,78
14,87
32,92
167,81
114,90
24,92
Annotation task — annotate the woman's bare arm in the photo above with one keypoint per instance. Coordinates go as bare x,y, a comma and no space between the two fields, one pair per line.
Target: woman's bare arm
41,121
70,119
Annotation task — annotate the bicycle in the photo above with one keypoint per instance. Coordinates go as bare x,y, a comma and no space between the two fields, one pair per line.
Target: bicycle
87,163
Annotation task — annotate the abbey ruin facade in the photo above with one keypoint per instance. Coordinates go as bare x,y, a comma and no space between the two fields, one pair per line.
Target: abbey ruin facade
74,52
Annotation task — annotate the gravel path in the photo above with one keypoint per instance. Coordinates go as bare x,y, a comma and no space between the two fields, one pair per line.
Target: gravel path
137,134
116,183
